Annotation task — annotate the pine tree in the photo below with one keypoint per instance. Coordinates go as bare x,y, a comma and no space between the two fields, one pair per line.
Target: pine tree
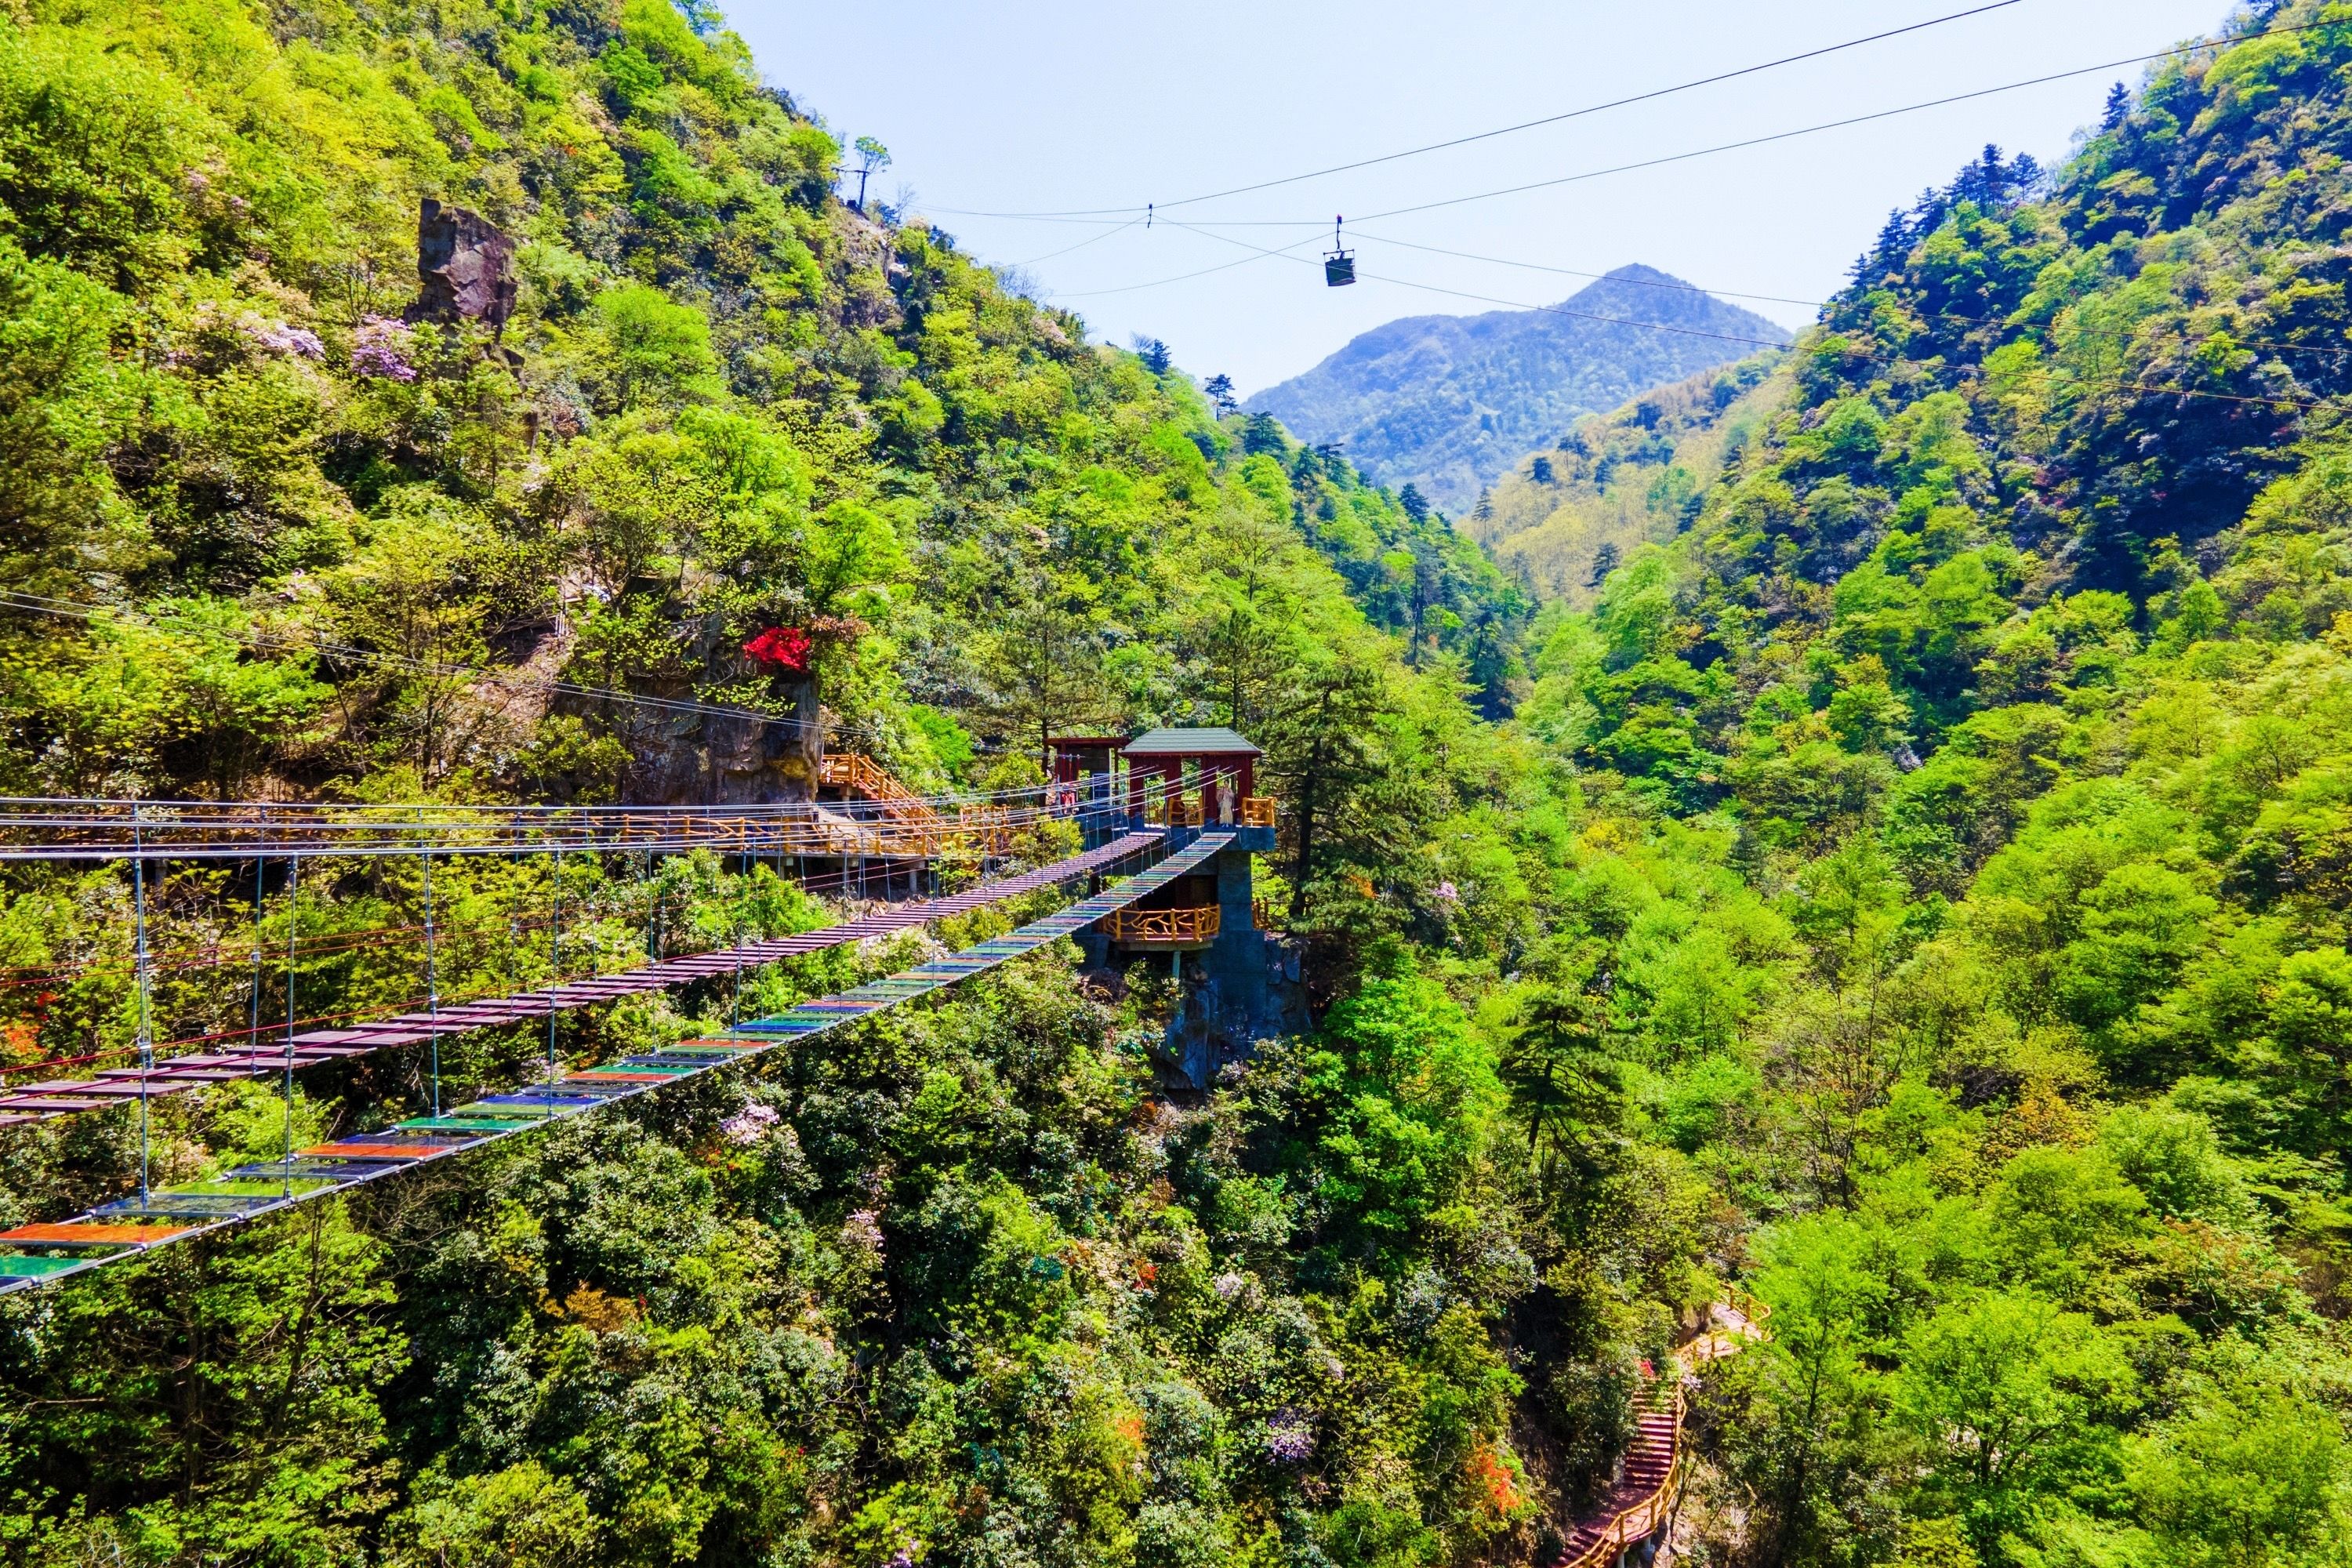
1927,212
1541,470
2118,108
1604,561
1893,246
1415,504
1153,353
1983,180
1220,388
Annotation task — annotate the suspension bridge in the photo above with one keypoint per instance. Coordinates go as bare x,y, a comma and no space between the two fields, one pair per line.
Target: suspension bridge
1153,813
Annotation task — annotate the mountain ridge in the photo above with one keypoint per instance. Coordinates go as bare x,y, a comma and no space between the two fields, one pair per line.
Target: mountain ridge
1449,404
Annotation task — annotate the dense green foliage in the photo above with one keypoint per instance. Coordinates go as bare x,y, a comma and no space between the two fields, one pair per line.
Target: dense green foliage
1913,893
963,1290
2004,663
1564,519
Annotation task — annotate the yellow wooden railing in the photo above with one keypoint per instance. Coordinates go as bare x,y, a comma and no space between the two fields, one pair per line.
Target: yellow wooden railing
864,776
1713,1342
1257,811
990,827
1638,1523
908,824
1186,925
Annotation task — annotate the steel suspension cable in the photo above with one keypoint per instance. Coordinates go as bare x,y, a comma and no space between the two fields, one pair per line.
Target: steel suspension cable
293,923
146,1034
1593,108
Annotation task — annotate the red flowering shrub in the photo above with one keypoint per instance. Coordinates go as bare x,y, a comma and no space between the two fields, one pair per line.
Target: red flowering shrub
780,647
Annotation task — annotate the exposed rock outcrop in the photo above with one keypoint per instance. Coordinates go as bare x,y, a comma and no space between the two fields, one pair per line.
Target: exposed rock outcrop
467,265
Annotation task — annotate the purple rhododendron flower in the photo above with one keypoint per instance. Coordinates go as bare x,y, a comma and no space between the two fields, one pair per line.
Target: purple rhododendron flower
1289,1438
862,1232
380,350
748,1125
279,338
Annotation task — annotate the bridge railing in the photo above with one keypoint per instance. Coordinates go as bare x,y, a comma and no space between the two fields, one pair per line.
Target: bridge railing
1185,925
1712,1341
1639,1521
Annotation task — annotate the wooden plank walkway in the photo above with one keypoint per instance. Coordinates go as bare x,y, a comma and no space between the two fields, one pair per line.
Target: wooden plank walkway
112,1233
177,1074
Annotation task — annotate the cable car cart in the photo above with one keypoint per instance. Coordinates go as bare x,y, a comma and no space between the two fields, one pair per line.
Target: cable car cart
1339,266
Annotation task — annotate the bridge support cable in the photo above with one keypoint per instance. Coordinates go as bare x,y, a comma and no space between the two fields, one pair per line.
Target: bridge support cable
115,1232
293,925
146,1030
252,1034
64,1097
432,981
555,957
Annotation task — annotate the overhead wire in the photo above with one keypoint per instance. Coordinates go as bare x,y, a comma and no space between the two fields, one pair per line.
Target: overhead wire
1676,285
97,613
1203,272
68,609
1318,224
1549,310
2280,399
1841,124
1109,230
1465,141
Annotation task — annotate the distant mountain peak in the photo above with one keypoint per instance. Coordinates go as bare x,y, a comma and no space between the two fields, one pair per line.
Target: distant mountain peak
1450,402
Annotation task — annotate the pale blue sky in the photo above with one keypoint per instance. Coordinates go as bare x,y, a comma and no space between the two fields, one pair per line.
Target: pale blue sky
1056,105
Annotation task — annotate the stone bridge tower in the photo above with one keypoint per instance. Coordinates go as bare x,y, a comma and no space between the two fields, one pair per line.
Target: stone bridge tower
1240,981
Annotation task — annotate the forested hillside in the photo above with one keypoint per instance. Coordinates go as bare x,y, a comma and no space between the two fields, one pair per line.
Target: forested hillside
1565,518
2006,664
1447,404
279,525
1912,897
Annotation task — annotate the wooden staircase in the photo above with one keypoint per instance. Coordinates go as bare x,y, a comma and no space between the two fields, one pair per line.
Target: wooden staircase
1650,1482
910,825
868,780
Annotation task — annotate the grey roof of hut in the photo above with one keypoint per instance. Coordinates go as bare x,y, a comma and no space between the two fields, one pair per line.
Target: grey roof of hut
1216,741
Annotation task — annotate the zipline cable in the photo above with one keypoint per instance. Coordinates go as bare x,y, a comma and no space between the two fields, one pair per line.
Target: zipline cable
1826,125
68,609
1512,130
1680,287
2279,400
1109,230
1315,238
1744,142
1548,310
